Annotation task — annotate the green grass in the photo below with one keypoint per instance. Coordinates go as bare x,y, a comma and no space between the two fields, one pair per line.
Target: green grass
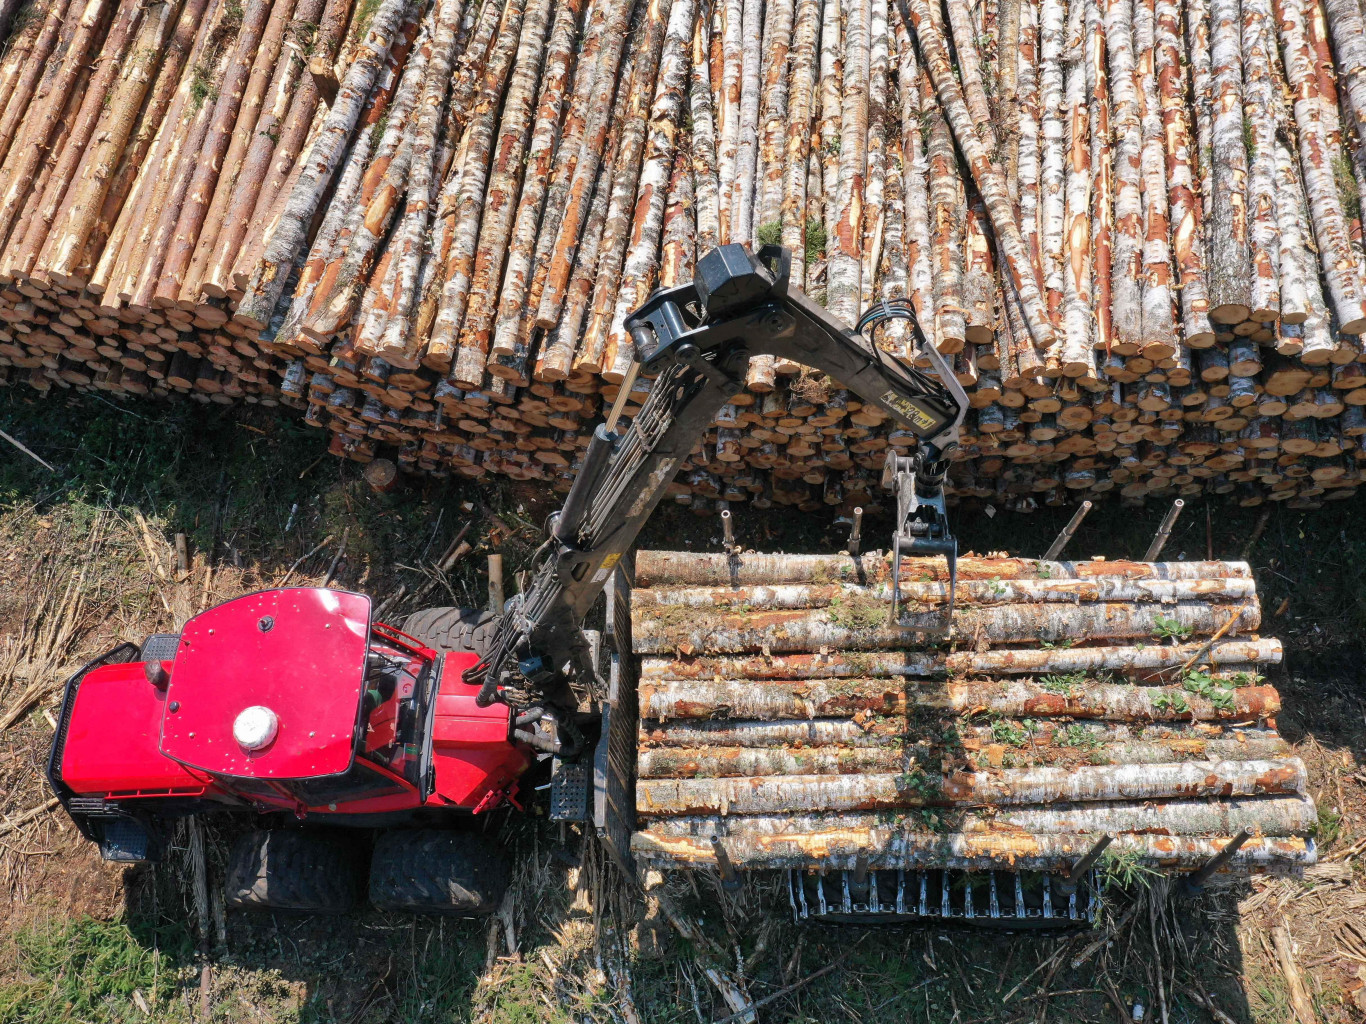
201,86
1066,685
1077,735
1328,827
920,783
816,240
770,233
365,14
377,130
233,480
1347,186
87,970
1126,868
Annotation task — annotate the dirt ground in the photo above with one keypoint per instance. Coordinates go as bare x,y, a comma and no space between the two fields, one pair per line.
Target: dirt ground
88,557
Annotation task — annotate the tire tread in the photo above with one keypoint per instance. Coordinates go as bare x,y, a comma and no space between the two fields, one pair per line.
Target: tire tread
453,629
437,871
283,869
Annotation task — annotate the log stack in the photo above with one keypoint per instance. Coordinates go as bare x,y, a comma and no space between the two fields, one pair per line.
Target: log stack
147,153
1133,225
786,720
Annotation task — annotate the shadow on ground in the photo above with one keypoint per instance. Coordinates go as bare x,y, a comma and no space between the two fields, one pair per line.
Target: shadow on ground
255,494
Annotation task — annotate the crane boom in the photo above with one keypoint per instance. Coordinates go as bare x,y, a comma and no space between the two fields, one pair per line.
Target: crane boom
695,342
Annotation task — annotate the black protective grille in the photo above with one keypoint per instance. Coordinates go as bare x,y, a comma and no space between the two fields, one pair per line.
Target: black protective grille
1007,898
160,647
615,761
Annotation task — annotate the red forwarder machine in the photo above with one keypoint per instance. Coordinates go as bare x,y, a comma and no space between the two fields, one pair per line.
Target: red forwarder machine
296,705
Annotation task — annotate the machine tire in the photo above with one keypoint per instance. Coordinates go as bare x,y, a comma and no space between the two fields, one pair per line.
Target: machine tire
285,869
437,871
453,629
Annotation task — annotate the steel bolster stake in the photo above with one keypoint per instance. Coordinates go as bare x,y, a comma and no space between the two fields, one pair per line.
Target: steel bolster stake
1060,541
1196,881
855,529
730,880
861,869
1164,531
728,527
1086,863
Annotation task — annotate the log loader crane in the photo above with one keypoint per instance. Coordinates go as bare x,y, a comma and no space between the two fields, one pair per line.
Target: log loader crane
831,717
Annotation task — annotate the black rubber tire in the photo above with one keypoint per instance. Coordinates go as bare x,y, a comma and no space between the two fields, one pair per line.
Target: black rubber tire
453,629
289,869
437,871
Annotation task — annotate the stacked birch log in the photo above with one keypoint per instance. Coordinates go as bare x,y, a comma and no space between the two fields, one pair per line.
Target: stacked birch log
1134,225
146,151
786,721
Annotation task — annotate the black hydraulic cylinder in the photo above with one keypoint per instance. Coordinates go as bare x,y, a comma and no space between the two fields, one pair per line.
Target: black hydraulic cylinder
595,462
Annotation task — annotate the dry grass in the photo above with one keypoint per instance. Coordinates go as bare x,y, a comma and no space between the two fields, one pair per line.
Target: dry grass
83,941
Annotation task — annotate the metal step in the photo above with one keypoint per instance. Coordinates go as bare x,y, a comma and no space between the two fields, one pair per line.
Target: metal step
123,840
569,790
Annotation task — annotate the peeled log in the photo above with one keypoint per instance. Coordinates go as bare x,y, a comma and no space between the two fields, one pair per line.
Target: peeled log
1230,280
1145,662
785,794
676,568
972,593
1014,698
288,242
863,628
1275,816
1211,741
897,848
1316,164
750,762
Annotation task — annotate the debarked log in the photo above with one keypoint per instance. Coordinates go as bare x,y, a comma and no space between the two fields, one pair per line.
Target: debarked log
787,596
1144,662
713,762
684,568
1012,698
862,625
1234,742
1269,816
892,848
887,792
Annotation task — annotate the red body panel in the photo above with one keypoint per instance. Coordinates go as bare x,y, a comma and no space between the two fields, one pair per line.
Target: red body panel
308,668
124,740
472,753
111,739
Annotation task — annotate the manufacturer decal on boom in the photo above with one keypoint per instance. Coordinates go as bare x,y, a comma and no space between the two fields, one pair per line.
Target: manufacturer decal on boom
908,409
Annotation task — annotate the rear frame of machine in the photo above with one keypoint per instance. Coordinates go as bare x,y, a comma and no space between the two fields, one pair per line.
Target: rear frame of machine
717,755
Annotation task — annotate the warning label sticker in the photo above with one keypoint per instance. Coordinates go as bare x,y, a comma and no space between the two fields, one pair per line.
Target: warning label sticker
909,410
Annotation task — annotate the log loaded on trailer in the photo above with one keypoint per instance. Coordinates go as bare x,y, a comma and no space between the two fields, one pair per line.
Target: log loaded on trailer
904,734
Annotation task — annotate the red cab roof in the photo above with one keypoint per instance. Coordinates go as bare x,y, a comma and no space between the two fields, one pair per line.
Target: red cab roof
299,652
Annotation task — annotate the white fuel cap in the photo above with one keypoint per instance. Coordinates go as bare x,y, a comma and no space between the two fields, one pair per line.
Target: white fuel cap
255,728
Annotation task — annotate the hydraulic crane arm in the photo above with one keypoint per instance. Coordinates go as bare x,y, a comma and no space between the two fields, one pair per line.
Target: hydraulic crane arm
696,341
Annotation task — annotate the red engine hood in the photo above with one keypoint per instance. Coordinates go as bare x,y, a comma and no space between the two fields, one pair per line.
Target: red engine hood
299,652
111,739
